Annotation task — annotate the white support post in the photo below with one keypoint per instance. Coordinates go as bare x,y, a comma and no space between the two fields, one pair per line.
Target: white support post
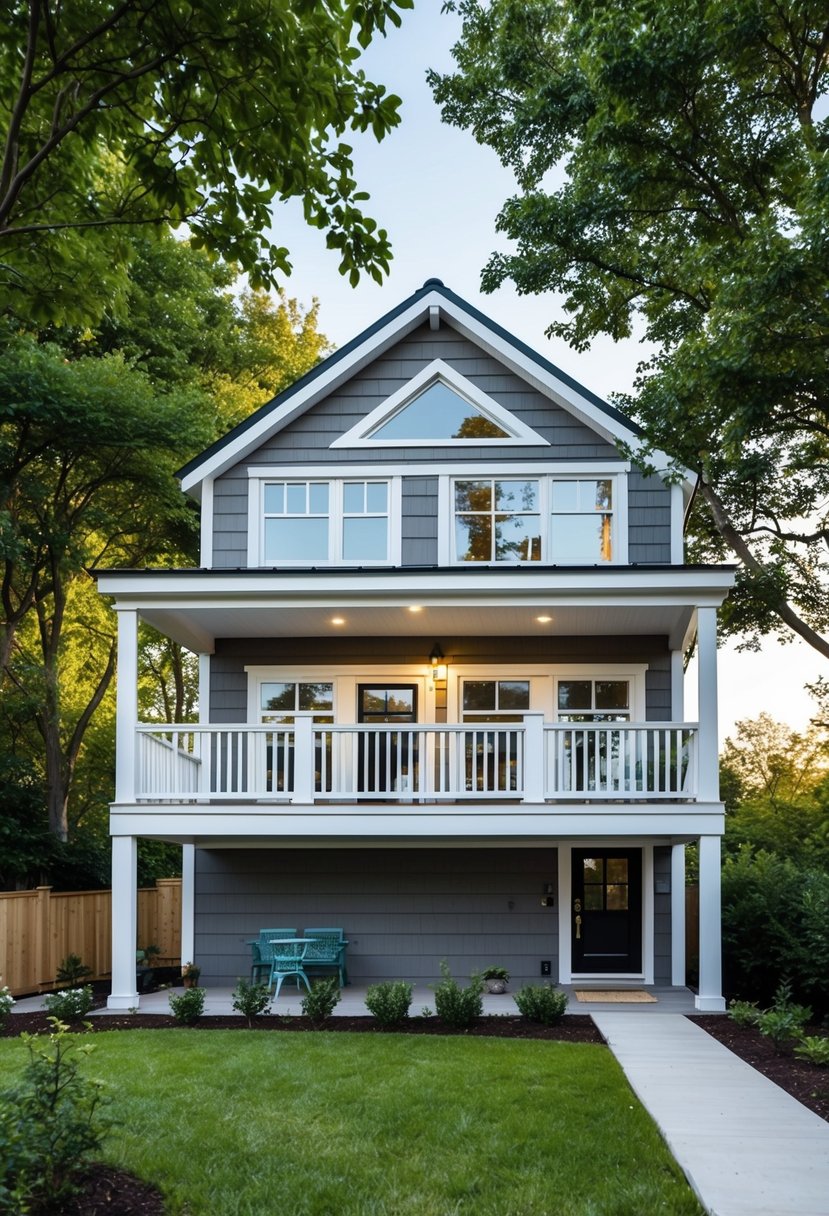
188,904
533,757
677,686
204,689
678,915
707,751
710,998
124,994
303,760
126,705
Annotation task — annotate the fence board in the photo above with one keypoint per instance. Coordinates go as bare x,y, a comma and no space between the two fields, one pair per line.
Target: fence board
39,928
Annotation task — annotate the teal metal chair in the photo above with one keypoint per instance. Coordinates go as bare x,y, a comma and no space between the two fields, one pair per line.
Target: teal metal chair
287,959
262,953
327,949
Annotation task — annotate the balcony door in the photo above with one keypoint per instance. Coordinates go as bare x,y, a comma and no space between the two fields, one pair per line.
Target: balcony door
388,759
606,914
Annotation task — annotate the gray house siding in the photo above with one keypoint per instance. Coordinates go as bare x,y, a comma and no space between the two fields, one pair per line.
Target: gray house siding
228,679
649,520
307,441
662,915
403,910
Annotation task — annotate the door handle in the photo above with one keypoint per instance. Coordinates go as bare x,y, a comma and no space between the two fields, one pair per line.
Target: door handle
578,928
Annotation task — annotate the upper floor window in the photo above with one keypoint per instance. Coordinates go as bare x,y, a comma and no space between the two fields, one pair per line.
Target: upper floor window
334,520
555,520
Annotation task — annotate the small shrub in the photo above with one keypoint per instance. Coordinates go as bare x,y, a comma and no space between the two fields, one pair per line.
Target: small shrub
6,1002
51,1123
187,1006
389,1002
251,999
744,1013
70,1004
815,1049
541,1003
72,971
426,1012
495,973
318,1004
458,1007
783,1026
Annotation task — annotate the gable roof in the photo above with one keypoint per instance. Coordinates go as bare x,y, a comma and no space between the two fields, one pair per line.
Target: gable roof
432,302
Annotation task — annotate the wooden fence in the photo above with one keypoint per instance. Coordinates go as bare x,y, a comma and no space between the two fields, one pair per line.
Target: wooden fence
39,928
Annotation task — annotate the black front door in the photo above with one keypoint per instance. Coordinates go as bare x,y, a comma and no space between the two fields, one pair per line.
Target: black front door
607,910
387,759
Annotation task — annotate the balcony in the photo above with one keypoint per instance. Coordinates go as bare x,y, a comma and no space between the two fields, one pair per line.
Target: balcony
311,763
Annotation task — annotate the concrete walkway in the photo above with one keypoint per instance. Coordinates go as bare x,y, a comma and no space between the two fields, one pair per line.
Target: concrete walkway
746,1146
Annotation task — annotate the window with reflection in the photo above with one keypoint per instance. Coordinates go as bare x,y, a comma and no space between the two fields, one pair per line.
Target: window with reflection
497,520
494,700
582,521
439,413
585,700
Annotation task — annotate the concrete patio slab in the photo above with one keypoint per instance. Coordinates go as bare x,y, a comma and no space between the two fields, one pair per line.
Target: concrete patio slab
746,1146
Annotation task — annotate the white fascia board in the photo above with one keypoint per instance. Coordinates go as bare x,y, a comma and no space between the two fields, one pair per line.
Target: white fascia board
363,588
202,822
322,384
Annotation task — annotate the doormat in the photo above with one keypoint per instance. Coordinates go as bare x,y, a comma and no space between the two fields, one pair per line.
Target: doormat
617,996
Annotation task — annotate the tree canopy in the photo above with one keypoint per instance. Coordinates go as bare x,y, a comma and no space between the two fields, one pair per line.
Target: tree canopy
673,171
124,116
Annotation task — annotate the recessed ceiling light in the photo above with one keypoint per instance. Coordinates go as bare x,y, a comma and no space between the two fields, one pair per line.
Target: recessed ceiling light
415,608
543,620
337,620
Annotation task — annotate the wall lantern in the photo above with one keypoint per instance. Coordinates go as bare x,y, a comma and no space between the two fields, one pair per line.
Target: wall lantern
436,658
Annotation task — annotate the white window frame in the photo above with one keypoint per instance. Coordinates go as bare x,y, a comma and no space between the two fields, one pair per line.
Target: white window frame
544,679
517,432
257,480
345,679
545,476
635,674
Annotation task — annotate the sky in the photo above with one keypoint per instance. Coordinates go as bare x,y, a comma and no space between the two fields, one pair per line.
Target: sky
438,194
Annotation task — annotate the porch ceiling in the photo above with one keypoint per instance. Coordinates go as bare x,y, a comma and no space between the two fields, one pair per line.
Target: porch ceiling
197,607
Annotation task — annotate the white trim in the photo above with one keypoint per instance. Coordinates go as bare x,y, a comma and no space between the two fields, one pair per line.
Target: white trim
438,371
678,915
336,480
545,699
546,382
206,538
677,525
485,468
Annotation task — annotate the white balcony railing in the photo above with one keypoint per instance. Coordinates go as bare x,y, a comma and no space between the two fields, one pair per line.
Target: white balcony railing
307,762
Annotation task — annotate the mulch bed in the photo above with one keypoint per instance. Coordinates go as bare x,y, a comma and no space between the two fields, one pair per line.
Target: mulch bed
806,1082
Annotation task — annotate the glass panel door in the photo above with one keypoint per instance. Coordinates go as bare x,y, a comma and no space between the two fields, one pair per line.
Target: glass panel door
388,760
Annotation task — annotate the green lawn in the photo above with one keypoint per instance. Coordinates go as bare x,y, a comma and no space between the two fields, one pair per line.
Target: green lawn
237,1123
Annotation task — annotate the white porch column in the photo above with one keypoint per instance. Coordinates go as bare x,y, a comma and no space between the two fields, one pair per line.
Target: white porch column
678,915
708,743
677,686
188,903
126,707
533,757
710,998
124,994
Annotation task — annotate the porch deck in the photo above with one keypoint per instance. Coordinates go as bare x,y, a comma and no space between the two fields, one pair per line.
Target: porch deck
218,1002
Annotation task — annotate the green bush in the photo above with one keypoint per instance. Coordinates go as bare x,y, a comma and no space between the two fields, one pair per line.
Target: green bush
70,1004
188,1006
458,1007
72,970
815,1049
774,923
389,1002
319,1003
744,1013
252,999
541,1003
6,1002
784,1022
51,1123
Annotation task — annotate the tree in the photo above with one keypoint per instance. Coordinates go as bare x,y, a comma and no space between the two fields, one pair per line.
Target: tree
671,160
92,426
145,114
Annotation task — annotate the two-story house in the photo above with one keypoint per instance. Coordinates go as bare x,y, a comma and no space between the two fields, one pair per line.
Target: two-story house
441,622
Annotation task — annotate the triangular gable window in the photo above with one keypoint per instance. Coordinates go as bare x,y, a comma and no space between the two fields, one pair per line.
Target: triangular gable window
439,407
